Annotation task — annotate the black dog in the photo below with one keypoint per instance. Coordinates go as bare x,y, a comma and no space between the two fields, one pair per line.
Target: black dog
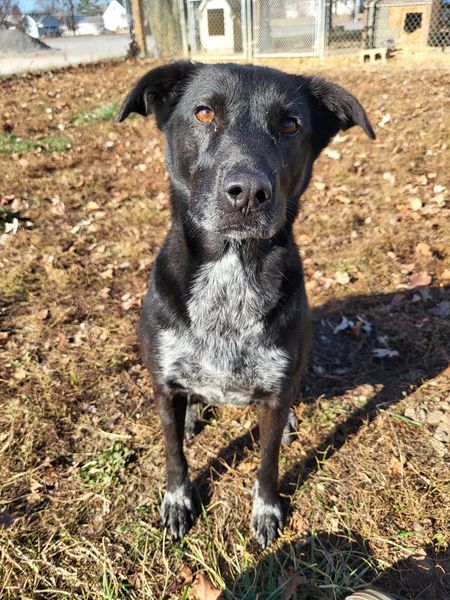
226,317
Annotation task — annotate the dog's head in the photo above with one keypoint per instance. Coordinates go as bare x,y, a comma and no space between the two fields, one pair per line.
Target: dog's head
242,139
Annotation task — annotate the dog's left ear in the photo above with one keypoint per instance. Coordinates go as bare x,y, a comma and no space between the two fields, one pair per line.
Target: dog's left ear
334,109
158,91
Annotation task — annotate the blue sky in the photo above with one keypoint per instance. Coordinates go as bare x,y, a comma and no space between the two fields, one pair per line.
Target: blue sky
27,5
31,5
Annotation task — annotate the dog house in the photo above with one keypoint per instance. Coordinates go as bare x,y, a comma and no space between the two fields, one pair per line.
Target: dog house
403,23
216,23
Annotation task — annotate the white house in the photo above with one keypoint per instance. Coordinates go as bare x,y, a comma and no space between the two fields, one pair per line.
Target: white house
30,26
89,26
115,16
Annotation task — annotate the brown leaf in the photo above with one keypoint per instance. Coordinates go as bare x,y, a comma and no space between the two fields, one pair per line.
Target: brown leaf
91,206
183,577
298,522
445,275
203,589
419,279
20,374
295,580
423,249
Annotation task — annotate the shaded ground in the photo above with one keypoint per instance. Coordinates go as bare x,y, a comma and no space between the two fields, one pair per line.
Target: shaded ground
84,208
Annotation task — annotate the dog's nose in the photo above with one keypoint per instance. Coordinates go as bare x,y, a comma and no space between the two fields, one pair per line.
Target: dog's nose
247,191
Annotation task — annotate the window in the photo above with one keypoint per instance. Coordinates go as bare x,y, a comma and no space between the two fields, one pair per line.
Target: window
216,21
413,21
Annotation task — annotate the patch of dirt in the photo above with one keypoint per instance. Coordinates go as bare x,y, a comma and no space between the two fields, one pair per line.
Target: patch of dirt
366,482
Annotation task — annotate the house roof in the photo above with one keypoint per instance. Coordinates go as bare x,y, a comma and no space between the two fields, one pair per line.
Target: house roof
45,19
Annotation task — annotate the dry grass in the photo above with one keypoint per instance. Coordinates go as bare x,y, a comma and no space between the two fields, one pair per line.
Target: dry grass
81,454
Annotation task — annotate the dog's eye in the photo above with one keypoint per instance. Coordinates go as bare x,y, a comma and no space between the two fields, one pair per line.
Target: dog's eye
205,114
289,126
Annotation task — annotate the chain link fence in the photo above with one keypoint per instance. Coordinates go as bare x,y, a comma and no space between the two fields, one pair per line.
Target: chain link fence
392,24
283,28
286,27
223,29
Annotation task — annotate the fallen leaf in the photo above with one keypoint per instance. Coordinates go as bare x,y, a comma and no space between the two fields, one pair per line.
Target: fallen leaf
298,523
385,120
343,325
183,577
294,581
204,589
12,227
91,206
20,374
423,249
342,277
390,177
415,203
419,279
334,154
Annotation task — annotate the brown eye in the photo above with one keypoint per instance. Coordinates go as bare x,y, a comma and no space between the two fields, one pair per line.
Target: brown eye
289,126
205,114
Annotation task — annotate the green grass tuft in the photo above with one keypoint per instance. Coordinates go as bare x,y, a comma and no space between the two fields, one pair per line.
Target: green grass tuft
107,112
105,469
10,144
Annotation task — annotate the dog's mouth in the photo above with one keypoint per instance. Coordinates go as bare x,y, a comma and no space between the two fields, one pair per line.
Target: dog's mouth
244,233
242,230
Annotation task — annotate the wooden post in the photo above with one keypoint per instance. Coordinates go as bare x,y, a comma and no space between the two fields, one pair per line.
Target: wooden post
138,26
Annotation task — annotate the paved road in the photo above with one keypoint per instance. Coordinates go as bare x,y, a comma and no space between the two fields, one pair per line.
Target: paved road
68,51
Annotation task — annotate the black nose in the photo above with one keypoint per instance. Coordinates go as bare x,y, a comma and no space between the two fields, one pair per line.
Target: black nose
247,191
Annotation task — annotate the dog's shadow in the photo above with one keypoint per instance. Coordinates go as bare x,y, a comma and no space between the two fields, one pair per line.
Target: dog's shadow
393,342
324,566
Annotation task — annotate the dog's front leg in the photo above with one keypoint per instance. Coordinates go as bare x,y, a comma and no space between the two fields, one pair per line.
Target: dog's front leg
177,509
267,516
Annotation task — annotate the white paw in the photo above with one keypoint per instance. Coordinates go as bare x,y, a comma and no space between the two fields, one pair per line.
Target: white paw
267,519
177,511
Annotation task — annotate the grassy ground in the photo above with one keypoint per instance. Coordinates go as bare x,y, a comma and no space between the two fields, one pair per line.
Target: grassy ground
83,210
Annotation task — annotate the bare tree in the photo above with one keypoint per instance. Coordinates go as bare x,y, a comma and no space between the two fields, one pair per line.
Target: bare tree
5,12
164,20
60,9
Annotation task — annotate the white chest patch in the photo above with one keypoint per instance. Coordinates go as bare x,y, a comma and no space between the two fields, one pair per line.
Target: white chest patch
225,354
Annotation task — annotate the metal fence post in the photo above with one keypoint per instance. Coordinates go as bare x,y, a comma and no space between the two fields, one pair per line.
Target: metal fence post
249,21
321,27
183,28
138,23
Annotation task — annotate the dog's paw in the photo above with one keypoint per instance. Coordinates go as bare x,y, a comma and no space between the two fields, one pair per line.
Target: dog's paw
267,520
177,511
290,429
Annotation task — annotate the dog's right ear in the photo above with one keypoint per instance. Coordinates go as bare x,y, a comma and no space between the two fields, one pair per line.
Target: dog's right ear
158,91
